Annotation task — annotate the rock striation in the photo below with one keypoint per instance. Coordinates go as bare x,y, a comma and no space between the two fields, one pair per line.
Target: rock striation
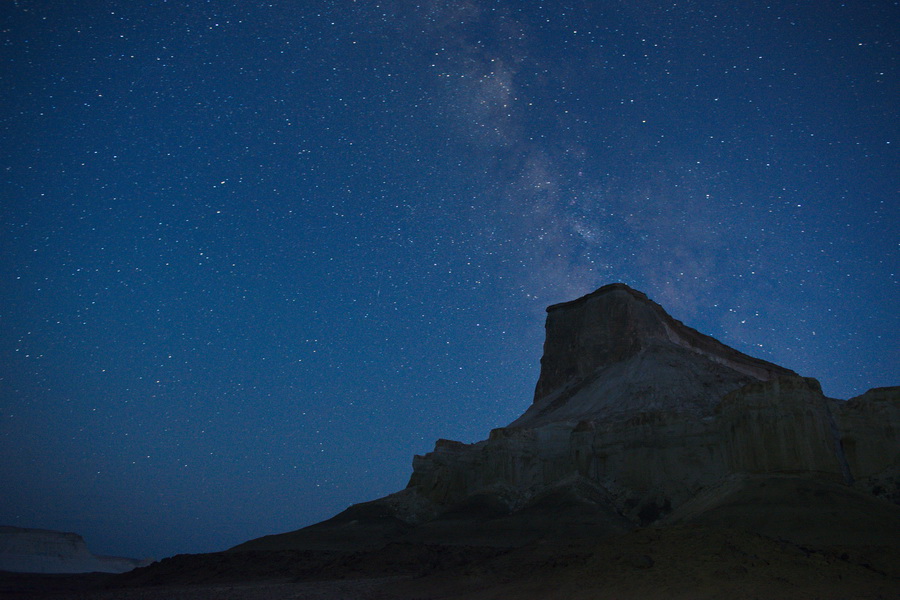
638,419
44,551
616,351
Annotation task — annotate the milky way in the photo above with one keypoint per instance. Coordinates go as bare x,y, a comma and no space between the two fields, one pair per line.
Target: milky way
256,256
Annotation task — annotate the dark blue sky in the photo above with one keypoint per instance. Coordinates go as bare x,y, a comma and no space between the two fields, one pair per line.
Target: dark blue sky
255,255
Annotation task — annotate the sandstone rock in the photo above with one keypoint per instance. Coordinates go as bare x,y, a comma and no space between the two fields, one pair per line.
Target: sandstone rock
869,427
782,426
654,413
615,351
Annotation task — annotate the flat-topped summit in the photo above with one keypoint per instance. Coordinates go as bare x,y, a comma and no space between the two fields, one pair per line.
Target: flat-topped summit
604,289
615,350
45,551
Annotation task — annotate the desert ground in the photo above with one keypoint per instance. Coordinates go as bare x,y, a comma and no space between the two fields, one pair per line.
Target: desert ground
680,562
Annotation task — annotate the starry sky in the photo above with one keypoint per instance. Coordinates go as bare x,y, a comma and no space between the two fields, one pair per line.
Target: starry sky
256,255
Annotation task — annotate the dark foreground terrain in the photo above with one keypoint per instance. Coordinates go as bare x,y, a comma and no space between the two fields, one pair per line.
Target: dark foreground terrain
689,562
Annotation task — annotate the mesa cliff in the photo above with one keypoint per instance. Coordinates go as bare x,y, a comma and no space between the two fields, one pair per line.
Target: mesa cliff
636,420
653,462
43,551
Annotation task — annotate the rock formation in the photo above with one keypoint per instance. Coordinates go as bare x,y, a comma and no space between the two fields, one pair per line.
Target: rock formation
616,352
44,551
654,462
638,419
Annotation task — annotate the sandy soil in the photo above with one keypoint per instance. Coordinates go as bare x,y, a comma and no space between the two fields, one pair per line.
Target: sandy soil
351,589
677,563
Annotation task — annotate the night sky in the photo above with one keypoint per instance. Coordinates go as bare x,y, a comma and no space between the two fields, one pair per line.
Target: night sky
255,255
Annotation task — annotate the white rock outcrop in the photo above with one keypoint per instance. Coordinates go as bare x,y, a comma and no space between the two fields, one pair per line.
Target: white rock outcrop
654,412
44,551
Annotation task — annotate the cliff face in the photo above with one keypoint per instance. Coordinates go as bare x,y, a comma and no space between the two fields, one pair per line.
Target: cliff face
617,352
869,427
